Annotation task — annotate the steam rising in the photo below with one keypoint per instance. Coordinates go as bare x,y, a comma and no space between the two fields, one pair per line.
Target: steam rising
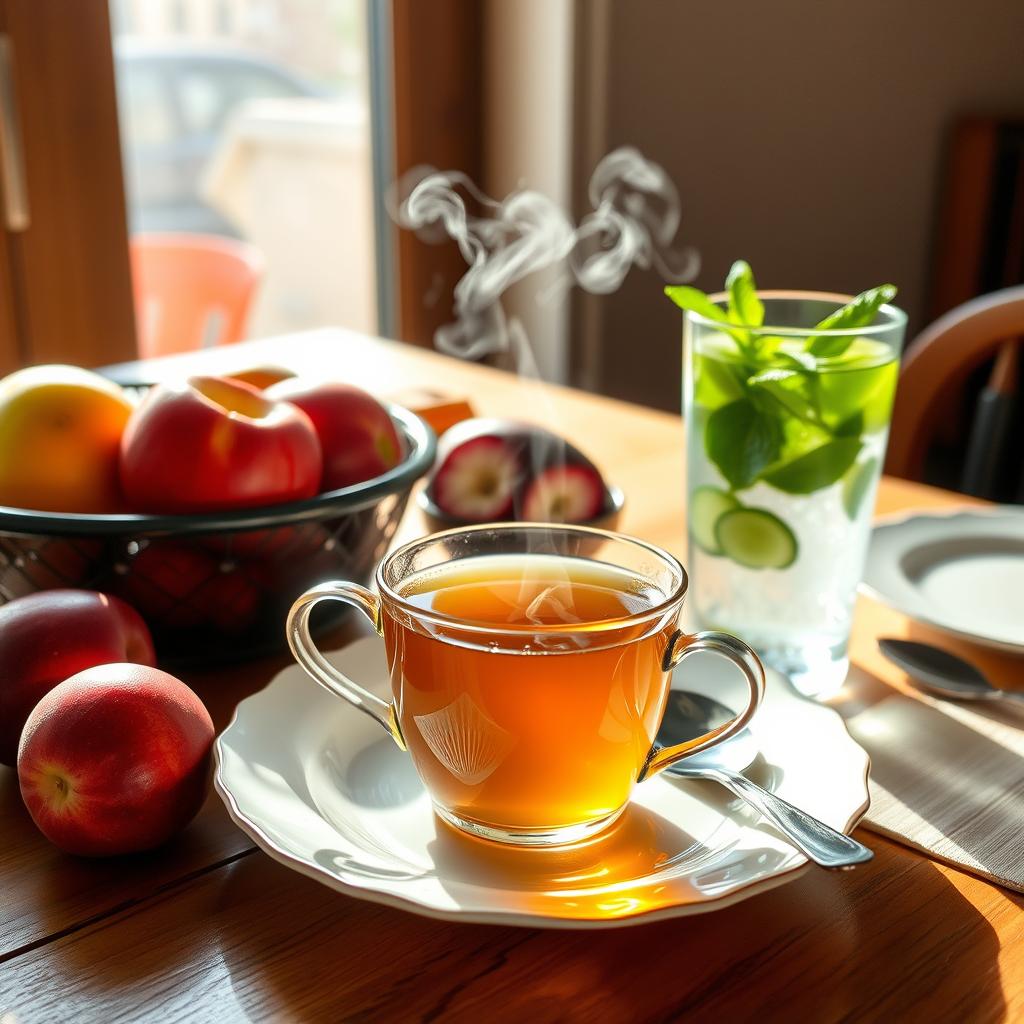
633,223
635,220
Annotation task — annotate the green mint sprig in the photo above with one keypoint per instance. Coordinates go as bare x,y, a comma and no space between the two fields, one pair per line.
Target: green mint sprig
772,424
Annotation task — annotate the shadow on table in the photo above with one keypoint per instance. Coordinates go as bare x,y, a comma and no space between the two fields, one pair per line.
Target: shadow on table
50,892
875,943
10,794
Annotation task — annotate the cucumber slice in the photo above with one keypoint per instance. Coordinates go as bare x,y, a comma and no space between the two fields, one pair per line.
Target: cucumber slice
707,504
756,539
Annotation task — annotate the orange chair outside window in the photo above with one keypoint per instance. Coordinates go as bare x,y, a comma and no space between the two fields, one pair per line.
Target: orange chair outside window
191,291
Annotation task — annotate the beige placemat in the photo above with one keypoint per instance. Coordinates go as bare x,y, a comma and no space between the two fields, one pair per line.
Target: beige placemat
947,779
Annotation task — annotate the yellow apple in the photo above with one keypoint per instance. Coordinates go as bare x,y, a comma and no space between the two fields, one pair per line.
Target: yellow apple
60,434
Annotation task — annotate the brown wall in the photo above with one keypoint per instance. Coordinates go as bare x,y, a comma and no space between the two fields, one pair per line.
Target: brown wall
804,136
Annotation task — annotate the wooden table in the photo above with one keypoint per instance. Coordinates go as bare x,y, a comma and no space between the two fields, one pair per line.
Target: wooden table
211,929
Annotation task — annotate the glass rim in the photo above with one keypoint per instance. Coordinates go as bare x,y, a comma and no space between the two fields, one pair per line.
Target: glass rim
897,319
393,597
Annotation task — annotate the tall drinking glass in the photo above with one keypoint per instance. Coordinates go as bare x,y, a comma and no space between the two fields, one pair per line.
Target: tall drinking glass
786,430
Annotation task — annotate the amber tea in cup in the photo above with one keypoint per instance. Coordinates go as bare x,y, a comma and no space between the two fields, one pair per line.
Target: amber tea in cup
530,667
552,722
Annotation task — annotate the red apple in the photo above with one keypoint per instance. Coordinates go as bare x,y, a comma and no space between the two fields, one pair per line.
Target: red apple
206,444
183,586
573,493
357,436
115,759
46,637
476,480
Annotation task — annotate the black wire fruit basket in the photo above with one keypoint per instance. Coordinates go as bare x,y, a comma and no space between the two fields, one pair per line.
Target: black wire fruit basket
216,587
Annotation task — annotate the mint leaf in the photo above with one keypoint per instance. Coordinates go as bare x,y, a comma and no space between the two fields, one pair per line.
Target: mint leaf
858,312
852,426
766,346
848,388
741,441
695,301
798,438
716,381
819,468
744,305
799,361
785,388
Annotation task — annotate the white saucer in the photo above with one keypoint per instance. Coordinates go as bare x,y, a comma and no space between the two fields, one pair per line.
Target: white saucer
960,572
322,789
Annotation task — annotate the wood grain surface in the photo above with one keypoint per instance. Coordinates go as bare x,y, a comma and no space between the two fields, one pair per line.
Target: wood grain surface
210,930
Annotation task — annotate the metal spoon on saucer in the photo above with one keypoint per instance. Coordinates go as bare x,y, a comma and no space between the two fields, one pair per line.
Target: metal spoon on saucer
944,674
691,714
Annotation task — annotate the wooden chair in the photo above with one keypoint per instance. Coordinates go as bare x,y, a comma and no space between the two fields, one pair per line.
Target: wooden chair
937,362
191,291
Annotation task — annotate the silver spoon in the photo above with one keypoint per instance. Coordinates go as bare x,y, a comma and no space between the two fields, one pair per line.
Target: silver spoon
692,714
942,673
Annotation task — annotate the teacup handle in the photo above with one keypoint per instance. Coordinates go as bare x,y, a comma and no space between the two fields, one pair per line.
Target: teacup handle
744,659
308,655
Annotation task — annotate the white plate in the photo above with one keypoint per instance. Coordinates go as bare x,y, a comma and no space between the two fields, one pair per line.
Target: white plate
322,789
961,572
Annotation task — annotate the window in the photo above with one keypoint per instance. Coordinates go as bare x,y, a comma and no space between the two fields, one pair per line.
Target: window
206,153
225,18
202,99
179,16
147,116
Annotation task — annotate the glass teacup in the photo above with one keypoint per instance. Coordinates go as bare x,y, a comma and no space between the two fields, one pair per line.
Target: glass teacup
530,666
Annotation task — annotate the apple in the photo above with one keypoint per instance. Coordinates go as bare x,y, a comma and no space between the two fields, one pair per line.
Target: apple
570,493
492,469
205,444
477,480
46,637
182,586
261,376
357,435
60,428
115,759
